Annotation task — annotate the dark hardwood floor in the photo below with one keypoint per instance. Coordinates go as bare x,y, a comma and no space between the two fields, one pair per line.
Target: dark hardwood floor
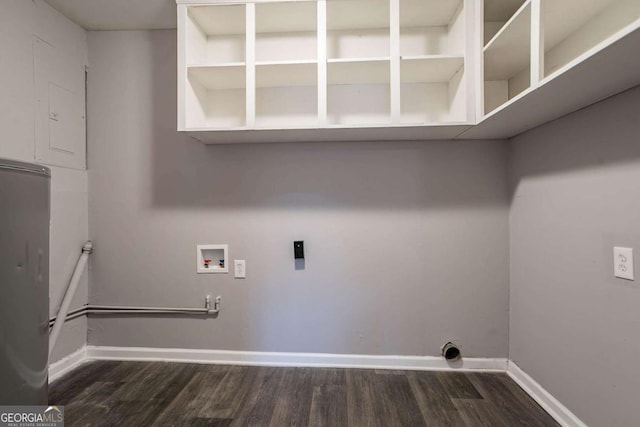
108,393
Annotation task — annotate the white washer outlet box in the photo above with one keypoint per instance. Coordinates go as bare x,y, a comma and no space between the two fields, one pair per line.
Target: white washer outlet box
623,263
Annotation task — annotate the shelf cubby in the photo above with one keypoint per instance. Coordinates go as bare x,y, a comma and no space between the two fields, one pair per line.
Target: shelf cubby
507,60
358,28
215,34
286,94
216,77
286,31
432,89
216,96
496,14
573,27
432,27
358,92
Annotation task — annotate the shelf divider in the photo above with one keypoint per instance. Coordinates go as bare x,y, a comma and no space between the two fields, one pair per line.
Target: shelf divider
473,63
507,24
394,47
430,57
322,62
287,62
219,78
509,51
182,66
358,59
430,69
537,43
217,65
250,52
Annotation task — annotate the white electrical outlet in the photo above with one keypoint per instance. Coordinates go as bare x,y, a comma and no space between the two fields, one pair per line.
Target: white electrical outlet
623,263
240,268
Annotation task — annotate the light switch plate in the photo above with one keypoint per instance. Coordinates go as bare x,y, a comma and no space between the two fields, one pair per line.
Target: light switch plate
623,263
240,268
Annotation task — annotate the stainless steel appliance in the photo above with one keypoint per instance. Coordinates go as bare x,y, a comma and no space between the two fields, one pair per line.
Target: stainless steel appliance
24,282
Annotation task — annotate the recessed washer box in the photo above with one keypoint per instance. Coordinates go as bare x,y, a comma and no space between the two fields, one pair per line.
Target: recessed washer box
212,259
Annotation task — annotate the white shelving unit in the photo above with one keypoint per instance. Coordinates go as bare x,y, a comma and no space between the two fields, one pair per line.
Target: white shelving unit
334,64
286,70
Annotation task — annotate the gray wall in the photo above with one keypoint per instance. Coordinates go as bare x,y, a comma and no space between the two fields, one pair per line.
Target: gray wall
407,243
574,327
19,22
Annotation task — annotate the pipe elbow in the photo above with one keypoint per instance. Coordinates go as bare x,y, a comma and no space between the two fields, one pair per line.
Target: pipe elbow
216,305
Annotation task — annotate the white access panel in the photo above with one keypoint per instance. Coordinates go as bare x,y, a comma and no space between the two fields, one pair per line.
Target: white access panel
62,130
59,107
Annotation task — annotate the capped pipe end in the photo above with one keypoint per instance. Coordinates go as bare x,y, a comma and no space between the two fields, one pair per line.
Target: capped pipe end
88,247
450,351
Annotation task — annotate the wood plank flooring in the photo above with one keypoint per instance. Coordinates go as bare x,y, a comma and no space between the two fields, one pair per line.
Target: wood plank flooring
109,393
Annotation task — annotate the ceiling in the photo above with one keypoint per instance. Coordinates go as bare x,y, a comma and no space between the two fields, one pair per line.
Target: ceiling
119,14
161,14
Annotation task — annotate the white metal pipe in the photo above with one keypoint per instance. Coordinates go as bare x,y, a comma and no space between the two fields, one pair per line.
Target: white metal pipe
69,314
92,308
134,310
120,308
150,311
68,296
123,309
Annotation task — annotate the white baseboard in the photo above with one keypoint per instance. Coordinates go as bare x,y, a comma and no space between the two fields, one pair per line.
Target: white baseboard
67,364
252,358
557,410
